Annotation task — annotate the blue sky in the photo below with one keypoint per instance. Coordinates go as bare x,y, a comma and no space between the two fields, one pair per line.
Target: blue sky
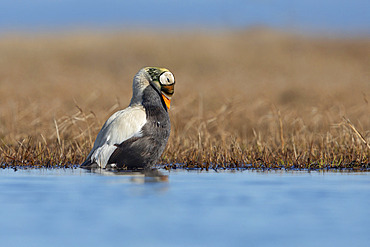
310,15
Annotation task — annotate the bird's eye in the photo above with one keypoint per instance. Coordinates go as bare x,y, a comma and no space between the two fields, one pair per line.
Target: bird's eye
166,78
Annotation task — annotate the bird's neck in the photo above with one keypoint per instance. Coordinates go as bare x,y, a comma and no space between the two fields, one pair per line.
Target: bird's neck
141,81
136,99
151,98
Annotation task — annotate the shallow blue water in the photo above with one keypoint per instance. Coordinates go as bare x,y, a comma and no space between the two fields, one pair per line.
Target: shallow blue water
76,208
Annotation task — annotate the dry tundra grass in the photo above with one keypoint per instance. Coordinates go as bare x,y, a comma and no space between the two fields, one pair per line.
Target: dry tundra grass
256,98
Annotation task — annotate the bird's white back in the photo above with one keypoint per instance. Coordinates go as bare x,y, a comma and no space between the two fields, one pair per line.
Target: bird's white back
121,126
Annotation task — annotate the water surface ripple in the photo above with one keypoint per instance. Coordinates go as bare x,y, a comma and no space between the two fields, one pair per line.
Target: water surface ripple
73,207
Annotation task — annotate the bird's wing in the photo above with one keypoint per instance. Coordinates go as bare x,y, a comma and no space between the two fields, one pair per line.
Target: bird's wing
121,126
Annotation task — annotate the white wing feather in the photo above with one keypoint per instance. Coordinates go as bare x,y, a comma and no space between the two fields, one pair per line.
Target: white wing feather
121,126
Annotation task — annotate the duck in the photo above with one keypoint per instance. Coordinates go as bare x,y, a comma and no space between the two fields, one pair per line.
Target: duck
134,138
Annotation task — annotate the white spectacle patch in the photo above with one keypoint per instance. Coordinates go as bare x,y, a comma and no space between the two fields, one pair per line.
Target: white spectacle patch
167,78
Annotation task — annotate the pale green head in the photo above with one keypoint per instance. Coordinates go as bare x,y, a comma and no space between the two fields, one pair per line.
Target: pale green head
160,78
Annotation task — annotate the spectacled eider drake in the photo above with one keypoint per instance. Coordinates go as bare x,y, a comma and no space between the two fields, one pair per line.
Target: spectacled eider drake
135,138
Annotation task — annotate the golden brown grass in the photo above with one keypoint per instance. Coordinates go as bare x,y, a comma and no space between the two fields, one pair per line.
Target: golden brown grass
243,99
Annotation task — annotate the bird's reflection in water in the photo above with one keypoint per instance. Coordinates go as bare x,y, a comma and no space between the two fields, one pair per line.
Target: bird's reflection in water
151,175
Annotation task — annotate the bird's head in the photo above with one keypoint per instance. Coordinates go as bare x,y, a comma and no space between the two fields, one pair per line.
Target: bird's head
161,79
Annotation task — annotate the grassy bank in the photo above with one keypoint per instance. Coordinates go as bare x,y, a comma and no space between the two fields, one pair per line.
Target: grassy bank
257,97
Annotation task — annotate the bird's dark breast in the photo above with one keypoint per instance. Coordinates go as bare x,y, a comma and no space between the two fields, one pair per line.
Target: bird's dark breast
144,151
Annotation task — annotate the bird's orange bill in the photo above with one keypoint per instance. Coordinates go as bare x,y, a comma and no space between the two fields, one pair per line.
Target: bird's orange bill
167,101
